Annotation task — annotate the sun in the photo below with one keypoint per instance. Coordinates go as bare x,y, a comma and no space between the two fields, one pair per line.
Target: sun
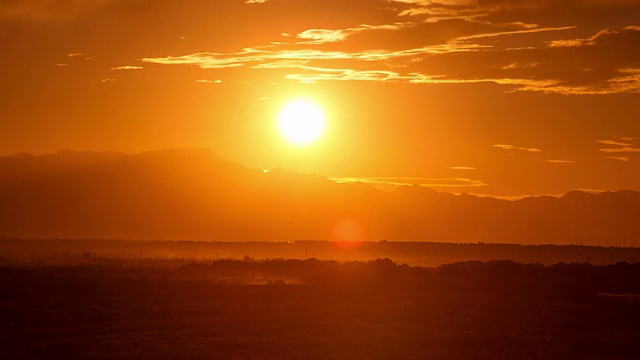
302,122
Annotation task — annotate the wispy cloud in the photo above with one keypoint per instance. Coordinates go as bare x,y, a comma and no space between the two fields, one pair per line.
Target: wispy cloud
581,42
446,9
560,161
625,149
462,168
520,66
620,158
520,55
321,36
270,57
255,1
400,181
315,63
315,74
127,67
529,29
206,81
592,191
615,143
513,147
436,14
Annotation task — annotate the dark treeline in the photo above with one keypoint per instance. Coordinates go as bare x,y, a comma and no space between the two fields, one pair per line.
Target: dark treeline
429,254
504,278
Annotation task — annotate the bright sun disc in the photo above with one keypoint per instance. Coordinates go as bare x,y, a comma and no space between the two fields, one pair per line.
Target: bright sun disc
302,122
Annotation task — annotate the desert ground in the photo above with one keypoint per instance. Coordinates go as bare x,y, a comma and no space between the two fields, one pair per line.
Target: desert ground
321,309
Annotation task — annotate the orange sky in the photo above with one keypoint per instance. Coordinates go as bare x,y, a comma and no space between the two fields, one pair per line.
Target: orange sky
485,96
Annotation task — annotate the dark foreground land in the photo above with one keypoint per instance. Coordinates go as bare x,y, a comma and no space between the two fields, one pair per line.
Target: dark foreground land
321,309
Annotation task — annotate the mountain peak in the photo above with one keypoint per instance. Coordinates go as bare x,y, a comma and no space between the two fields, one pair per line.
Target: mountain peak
577,194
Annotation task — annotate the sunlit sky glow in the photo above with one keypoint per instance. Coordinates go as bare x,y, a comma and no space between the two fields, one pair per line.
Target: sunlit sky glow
499,97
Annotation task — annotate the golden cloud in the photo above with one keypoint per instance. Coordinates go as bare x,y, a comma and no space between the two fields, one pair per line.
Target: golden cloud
512,147
560,161
620,148
626,149
620,158
549,66
612,142
321,36
581,42
127,67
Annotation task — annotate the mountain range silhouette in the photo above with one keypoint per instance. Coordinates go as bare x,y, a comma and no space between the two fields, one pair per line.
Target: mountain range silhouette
193,194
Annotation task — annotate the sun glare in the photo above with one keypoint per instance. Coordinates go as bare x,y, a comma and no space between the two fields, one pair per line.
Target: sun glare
302,122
